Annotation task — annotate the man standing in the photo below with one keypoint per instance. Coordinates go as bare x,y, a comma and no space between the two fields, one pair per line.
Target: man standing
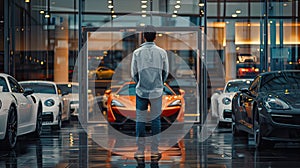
149,69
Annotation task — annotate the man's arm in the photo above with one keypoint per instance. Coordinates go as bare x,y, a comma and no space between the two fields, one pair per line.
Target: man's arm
134,72
165,72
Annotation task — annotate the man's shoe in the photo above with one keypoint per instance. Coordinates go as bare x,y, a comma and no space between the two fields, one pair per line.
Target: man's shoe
155,156
139,157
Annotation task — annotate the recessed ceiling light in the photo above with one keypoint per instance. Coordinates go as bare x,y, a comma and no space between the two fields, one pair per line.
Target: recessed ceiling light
42,11
238,11
144,15
234,15
47,16
144,1
201,4
174,15
144,6
177,6
110,6
178,1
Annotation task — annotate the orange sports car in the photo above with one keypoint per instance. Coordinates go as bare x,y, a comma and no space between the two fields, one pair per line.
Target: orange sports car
121,107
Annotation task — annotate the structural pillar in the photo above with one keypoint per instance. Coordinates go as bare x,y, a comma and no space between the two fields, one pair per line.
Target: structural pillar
61,51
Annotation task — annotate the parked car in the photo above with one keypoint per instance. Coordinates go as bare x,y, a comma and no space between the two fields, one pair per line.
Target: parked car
20,111
121,105
70,98
223,110
269,109
101,73
245,57
52,102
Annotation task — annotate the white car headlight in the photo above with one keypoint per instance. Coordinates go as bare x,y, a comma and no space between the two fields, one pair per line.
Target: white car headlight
226,100
276,103
116,103
175,103
49,102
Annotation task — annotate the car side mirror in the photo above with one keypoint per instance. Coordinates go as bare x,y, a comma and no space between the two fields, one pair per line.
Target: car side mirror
28,91
182,92
107,92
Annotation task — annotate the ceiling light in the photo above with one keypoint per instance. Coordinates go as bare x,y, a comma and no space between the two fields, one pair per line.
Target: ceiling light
144,1
238,11
110,6
142,24
47,16
109,1
27,1
285,4
174,15
42,11
114,16
144,15
175,11
144,6
234,15
177,1
201,4
144,11
177,6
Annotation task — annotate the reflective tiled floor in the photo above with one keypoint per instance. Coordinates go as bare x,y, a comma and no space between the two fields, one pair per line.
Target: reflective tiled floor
73,147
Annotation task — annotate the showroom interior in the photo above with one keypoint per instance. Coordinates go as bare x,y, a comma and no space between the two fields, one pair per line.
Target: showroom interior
90,42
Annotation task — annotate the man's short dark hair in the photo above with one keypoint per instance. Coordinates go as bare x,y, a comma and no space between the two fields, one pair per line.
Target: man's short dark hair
149,33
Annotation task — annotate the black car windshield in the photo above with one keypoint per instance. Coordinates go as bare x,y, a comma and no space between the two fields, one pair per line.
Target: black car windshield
280,81
234,86
40,87
129,90
69,88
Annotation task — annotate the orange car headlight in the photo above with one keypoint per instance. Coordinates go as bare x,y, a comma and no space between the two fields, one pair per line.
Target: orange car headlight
116,103
175,103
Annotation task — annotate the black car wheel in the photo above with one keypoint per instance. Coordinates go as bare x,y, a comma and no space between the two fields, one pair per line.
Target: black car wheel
260,143
11,129
39,122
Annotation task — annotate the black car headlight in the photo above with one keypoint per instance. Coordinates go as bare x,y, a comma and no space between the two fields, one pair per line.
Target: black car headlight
49,102
276,103
116,103
226,100
175,103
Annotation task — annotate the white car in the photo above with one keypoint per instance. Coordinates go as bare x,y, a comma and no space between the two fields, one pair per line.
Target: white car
223,106
52,102
20,111
70,98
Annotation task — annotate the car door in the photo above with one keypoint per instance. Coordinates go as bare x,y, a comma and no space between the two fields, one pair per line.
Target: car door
249,99
24,104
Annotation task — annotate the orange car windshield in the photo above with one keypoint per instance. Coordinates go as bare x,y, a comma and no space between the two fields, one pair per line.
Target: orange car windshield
129,90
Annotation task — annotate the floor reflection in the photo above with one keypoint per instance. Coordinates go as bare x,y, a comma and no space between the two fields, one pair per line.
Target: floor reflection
73,147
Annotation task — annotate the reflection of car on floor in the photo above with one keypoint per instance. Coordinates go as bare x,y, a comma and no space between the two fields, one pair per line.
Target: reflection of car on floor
223,110
20,111
70,98
101,73
269,109
121,105
51,100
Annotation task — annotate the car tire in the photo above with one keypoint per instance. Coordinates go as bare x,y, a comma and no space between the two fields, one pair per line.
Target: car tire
260,143
39,123
10,139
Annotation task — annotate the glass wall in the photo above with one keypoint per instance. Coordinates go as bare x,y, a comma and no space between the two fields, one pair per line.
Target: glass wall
42,37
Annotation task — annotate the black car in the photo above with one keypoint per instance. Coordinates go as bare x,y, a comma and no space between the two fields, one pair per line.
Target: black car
269,109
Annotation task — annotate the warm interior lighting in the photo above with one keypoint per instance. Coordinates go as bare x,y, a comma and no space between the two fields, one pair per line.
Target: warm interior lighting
234,15
114,16
27,1
42,11
47,16
201,4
